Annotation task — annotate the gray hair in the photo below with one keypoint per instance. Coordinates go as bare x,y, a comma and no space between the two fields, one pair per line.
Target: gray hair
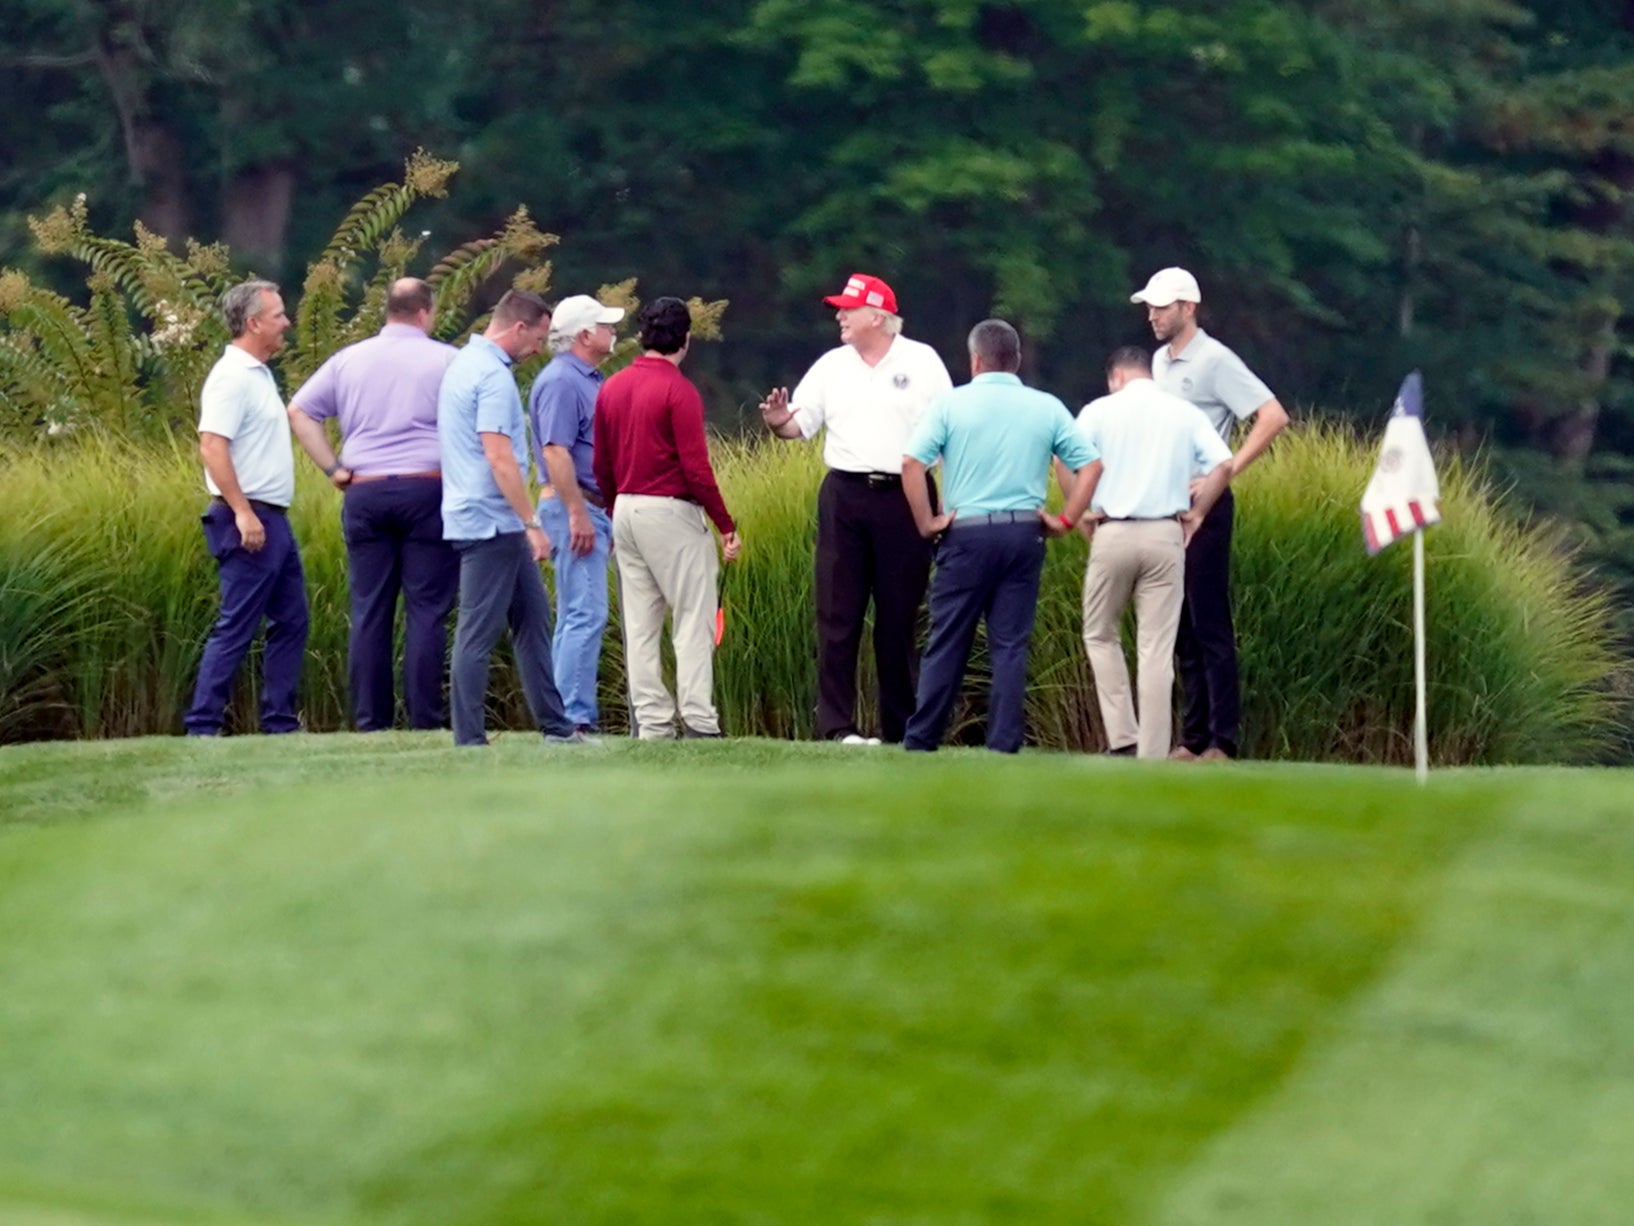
242,303
561,342
997,344
893,323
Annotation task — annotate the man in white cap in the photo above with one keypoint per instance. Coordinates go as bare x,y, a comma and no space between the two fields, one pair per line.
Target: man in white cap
1191,364
869,393
562,410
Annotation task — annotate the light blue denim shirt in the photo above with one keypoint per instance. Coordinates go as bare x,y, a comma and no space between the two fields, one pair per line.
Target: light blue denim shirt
478,396
996,437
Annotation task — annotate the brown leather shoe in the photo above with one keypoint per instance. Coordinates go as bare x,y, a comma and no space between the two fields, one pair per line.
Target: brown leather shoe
1181,754
1214,754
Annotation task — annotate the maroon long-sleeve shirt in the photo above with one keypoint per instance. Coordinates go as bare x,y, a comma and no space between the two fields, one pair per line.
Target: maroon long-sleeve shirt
649,439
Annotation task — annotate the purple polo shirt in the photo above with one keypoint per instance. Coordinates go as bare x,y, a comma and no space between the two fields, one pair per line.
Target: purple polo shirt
384,390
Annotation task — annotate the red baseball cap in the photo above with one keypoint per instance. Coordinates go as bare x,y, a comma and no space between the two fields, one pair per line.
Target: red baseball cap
862,290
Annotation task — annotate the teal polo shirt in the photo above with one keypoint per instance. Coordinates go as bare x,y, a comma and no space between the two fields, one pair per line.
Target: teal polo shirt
996,437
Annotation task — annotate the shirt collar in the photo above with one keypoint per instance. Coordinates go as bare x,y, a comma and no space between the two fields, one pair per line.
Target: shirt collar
574,362
998,376
480,341
401,330
1191,350
242,357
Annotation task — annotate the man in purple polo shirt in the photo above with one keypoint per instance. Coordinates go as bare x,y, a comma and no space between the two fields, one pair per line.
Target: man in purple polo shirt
384,391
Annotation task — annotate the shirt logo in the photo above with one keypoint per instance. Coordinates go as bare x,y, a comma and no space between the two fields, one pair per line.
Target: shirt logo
1185,384
899,381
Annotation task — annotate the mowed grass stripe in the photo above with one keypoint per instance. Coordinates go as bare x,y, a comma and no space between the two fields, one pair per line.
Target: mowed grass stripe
727,983
1489,1077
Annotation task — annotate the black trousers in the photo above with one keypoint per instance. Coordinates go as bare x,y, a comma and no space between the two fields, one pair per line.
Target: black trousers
1206,649
868,548
394,545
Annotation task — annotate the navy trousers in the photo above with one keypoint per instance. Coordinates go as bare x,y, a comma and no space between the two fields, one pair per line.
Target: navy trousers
394,545
989,572
867,548
1206,647
267,584
500,587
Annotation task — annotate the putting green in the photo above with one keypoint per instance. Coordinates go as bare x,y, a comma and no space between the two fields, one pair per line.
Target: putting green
372,979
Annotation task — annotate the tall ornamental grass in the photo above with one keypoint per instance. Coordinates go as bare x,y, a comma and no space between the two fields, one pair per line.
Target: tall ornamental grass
107,593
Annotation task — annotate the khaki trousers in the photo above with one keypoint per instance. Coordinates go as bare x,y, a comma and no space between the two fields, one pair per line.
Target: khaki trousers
1145,559
667,563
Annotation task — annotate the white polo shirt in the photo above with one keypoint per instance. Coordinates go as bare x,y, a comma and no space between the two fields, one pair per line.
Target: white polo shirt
1213,378
1151,445
240,402
869,410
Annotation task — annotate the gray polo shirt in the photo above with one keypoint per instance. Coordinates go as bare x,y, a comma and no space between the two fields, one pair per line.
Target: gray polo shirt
1214,379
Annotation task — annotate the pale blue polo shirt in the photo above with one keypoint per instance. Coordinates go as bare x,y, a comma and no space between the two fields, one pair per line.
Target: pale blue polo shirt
478,396
996,437
1151,445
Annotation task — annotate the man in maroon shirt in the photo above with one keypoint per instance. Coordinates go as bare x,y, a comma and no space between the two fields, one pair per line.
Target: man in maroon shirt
652,464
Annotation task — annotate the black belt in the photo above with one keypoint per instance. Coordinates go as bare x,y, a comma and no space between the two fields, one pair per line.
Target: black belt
993,518
1141,519
263,508
872,480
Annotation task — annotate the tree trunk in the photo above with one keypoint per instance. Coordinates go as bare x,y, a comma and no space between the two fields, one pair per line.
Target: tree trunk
256,205
153,151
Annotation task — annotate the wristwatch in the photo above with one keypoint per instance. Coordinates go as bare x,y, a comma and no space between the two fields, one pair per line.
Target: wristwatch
534,523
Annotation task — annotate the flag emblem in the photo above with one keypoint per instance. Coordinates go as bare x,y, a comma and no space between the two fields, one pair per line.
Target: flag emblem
1403,495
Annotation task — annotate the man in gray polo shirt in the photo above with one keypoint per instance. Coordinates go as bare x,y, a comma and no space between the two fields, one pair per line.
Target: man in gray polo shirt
1191,364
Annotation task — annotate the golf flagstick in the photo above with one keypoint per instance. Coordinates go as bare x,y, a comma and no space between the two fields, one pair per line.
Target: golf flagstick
1421,732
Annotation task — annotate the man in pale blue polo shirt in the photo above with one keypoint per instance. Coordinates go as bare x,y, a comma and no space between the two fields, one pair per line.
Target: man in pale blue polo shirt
996,438
1155,451
383,390
562,409
249,469
490,519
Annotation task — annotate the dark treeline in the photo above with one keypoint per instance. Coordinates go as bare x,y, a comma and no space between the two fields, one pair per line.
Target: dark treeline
1362,187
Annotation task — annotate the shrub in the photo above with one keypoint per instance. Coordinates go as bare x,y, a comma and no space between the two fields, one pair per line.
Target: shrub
1522,665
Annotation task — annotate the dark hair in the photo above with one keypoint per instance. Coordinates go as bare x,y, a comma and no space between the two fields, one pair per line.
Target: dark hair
1129,357
242,303
665,325
408,297
518,306
997,345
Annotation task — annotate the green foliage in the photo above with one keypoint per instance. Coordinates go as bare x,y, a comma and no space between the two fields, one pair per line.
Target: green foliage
1522,660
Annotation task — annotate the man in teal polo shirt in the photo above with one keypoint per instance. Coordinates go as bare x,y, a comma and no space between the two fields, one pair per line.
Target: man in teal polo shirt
995,438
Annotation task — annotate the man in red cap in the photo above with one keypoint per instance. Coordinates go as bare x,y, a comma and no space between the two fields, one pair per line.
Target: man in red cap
869,393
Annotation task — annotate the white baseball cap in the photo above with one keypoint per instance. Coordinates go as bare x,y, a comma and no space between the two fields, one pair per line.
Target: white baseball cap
1169,285
573,315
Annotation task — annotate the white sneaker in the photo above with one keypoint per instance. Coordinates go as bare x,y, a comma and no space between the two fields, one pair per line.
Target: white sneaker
874,740
851,738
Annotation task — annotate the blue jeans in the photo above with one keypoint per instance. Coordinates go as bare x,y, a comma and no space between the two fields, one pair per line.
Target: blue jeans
988,573
500,588
266,584
581,608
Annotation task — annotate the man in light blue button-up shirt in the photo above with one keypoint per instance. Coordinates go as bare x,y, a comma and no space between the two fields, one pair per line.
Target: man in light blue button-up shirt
995,438
1152,445
489,518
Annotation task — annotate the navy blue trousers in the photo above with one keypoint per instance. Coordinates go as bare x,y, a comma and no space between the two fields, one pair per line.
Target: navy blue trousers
1206,647
990,573
267,584
394,545
500,588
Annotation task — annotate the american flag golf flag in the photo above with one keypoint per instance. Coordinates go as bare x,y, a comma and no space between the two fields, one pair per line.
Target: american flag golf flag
1403,495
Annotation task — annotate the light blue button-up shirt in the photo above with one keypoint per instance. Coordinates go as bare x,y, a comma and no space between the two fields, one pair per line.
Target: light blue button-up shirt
996,437
478,396
1151,445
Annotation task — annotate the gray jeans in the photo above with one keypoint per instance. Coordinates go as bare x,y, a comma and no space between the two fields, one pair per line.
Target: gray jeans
500,587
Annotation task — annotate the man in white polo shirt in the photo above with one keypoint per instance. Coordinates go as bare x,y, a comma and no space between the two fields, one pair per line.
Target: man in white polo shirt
1191,364
869,393
1162,467
249,469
